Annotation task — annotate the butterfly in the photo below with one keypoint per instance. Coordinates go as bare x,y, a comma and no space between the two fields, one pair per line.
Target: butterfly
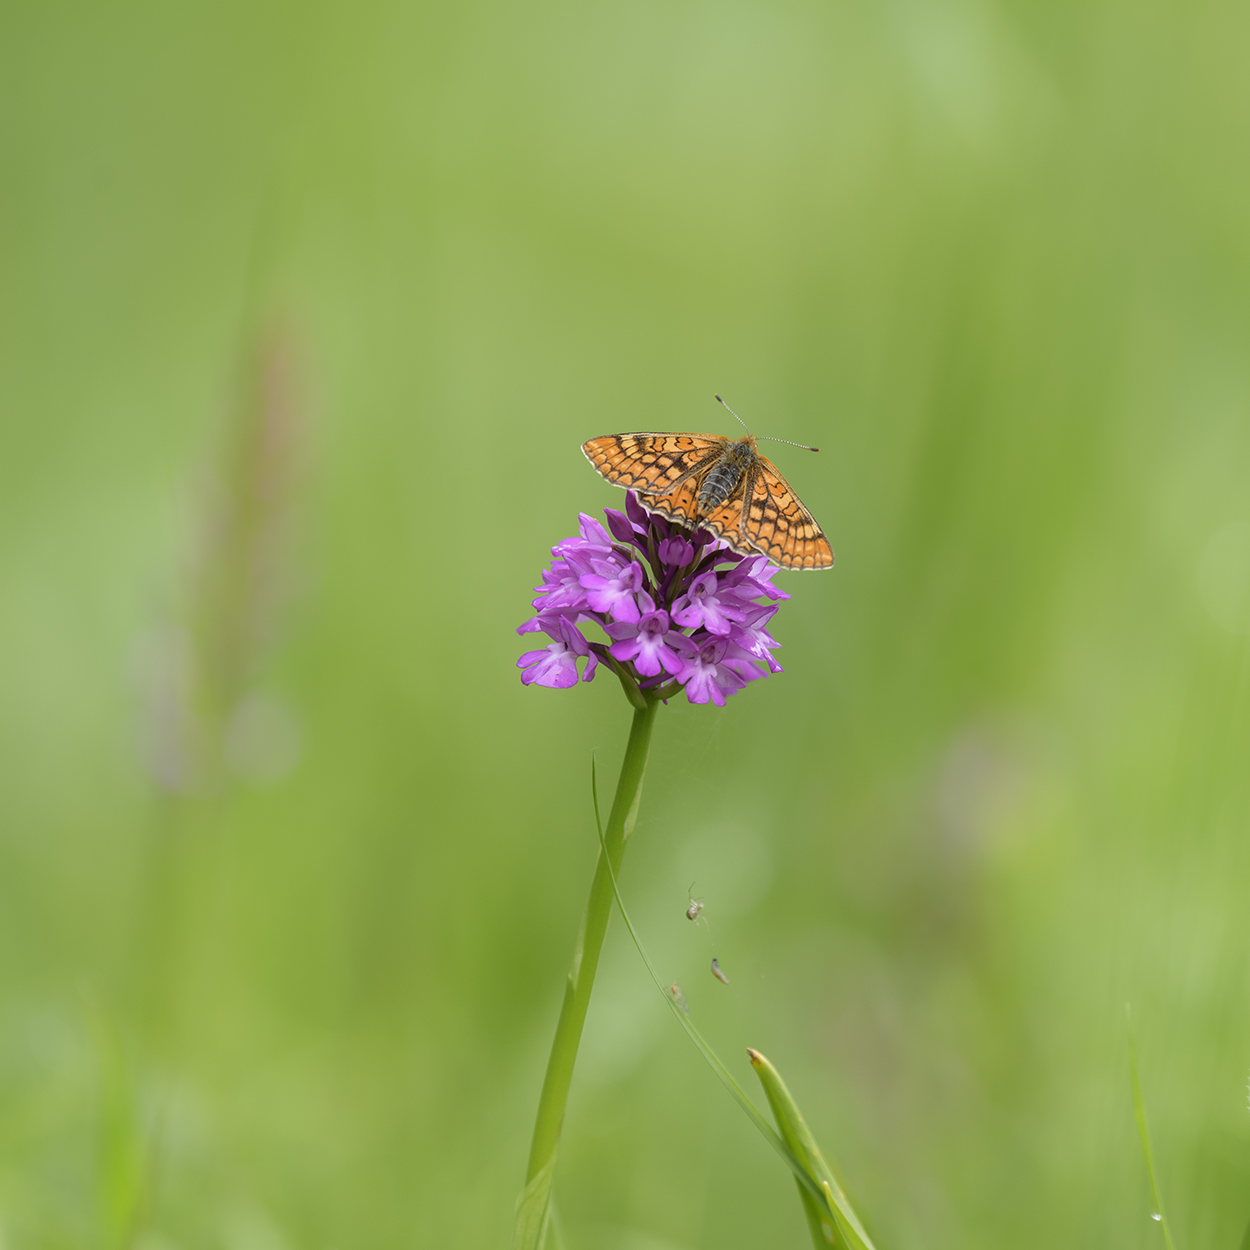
716,483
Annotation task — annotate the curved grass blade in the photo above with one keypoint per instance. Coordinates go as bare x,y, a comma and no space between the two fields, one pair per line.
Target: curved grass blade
822,1195
845,1232
1143,1132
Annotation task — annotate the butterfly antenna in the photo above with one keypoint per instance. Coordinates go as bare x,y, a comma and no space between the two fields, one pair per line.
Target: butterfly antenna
772,438
733,414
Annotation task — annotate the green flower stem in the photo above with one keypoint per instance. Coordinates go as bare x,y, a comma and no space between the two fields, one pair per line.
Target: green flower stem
589,942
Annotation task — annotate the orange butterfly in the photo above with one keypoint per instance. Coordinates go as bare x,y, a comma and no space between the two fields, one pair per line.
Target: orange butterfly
716,483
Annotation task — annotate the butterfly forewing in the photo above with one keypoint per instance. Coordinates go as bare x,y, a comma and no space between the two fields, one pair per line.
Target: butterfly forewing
653,464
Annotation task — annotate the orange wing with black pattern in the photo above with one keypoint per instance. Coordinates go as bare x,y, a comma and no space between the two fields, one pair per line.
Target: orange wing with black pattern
767,518
680,503
652,464
775,522
726,522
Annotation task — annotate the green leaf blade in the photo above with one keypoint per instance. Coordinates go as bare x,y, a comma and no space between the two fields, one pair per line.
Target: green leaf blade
836,1224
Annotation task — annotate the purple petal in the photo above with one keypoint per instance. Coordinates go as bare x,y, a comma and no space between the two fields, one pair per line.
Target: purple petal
626,649
620,525
636,512
677,551
592,531
682,645
573,637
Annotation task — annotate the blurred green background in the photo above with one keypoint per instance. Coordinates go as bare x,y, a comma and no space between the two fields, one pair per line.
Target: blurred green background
304,311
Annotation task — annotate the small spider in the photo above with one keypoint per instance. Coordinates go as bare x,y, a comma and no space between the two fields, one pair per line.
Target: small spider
718,974
696,906
679,998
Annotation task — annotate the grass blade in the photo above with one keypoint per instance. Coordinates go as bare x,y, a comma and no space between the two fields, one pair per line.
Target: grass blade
1143,1132
845,1232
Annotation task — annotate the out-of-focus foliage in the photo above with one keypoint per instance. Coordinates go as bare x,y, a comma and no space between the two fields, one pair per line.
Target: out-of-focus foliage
304,311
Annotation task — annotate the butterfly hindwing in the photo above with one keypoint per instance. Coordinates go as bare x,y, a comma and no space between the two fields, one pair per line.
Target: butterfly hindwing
681,504
726,523
777,524
653,464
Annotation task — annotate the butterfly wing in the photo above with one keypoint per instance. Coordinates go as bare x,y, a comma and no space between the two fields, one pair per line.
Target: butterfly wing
653,464
775,522
680,504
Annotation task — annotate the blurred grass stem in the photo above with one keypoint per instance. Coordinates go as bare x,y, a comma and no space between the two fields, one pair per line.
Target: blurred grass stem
1143,1132
589,943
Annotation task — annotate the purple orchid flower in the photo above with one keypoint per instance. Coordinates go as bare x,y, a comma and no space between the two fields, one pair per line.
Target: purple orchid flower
612,590
561,589
556,664
678,609
650,644
719,667
702,606
754,578
753,638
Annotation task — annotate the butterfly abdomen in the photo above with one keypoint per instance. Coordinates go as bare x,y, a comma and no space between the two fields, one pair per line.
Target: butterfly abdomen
724,476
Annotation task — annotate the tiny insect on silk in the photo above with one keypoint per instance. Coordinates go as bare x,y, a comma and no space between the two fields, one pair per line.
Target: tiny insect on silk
719,484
